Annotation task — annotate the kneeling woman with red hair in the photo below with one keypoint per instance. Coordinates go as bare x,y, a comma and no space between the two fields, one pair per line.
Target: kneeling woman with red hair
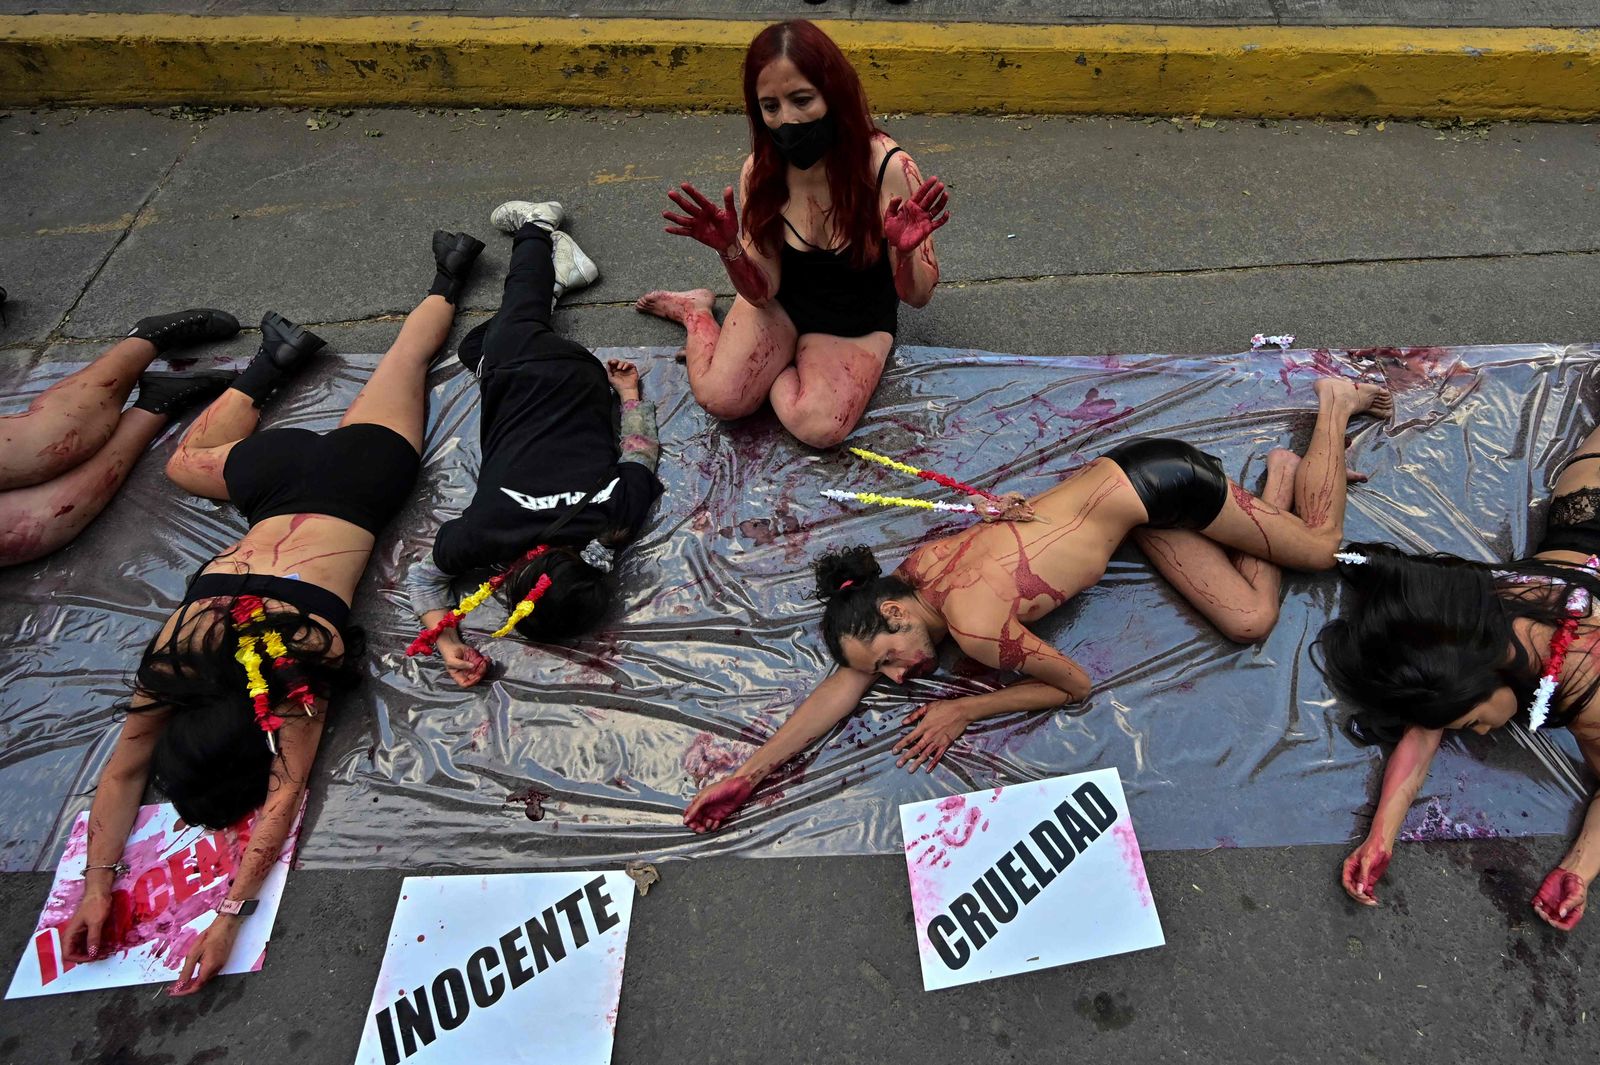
836,231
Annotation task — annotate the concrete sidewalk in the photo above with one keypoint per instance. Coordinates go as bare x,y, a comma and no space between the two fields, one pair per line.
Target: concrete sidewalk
1068,235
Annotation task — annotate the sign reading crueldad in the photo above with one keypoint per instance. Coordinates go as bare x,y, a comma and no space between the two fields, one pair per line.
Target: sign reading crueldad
1026,877
518,967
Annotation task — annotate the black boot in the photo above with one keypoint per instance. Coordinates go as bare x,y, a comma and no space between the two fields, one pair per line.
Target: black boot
170,393
285,347
454,253
182,328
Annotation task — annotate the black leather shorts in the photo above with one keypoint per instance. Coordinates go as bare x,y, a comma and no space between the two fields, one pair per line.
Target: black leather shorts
1180,486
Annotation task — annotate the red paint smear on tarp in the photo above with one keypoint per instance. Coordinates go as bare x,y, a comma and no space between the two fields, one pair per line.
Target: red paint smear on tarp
713,757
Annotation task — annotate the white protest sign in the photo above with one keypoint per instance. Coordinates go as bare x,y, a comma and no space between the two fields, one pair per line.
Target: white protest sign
176,878
1026,877
516,967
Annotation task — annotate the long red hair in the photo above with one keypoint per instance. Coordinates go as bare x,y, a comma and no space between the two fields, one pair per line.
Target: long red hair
852,185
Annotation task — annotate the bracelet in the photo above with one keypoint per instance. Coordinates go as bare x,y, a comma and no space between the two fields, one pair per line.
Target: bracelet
737,254
118,868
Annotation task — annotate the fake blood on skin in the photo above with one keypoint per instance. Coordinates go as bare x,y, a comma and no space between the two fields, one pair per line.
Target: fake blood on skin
215,856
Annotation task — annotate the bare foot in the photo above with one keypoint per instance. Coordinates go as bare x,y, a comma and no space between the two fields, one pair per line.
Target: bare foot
675,306
1364,398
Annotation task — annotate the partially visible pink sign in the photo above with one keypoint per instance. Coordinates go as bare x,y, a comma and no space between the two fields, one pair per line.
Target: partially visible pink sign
176,878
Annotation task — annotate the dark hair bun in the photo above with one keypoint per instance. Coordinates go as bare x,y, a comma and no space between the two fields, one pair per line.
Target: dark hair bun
852,566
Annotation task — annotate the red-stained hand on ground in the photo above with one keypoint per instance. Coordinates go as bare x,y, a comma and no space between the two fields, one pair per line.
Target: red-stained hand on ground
83,939
908,223
467,667
716,228
939,724
1363,870
1561,899
716,803
207,957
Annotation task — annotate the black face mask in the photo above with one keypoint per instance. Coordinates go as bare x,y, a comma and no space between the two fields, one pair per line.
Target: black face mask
803,143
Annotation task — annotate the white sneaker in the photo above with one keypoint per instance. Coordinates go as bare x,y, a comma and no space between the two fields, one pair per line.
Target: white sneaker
573,268
514,214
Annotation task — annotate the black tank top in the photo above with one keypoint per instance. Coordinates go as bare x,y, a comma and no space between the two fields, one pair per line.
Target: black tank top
823,293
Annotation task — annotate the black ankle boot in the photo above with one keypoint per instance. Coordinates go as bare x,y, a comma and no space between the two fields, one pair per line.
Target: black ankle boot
170,393
454,254
285,347
182,328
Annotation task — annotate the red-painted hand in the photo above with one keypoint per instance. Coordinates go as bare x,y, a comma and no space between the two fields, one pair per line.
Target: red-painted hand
939,724
1363,870
467,667
207,957
716,803
716,228
1561,899
910,222
83,939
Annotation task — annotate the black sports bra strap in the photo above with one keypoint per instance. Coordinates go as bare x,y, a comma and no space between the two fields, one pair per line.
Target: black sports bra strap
797,235
1580,458
883,168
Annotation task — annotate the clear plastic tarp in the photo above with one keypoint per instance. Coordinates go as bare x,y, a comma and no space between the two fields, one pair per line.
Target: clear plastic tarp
715,634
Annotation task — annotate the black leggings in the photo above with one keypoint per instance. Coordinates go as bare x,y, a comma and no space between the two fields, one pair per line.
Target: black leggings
1180,486
520,329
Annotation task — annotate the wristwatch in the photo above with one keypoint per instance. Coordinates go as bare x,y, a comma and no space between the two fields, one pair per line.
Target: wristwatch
237,907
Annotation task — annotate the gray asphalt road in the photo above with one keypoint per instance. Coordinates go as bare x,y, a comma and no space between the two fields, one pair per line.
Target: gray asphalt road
1070,236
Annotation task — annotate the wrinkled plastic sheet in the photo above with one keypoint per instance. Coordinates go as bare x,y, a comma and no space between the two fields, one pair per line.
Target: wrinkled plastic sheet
716,636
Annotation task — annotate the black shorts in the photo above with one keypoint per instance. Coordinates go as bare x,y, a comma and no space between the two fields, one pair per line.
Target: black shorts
1180,486
359,473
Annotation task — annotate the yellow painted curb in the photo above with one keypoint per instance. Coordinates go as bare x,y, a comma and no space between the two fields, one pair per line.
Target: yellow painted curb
654,63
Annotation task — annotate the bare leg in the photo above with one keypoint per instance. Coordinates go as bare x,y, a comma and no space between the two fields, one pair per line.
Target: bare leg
1258,528
731,368
396,394
40,519
72,419
1237,593
823,395
196,466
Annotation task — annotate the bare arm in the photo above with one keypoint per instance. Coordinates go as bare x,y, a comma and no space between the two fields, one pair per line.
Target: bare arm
832,701
1002,641
297,743
111,817
1403,778
1562,897
914,208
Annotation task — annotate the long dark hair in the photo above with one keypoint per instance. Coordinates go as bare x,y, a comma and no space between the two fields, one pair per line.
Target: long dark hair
852,585
212,759
576,603
851,185
1422,639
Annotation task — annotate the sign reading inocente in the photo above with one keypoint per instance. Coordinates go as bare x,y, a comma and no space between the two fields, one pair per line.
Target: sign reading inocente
516,967
1026,877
